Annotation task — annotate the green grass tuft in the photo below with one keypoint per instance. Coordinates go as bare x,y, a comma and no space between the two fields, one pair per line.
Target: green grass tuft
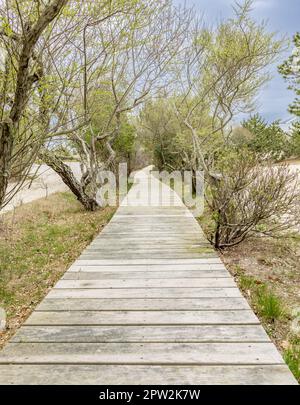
269,306
247,282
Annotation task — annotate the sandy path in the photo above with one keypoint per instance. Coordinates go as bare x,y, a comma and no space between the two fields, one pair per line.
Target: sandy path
46,183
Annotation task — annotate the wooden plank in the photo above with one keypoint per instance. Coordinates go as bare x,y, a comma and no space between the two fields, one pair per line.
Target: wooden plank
135,211
102,275
98,374
150,268
142,248
150,223
125,254
136,252
161,262
147,283
171,241
152,246
142,318
182,215
152,217
178,229
145,233
167,228
150,220
141,353
128,304
125,333
181,246
144,253
154,221
130,241
152,213
145,293
149,237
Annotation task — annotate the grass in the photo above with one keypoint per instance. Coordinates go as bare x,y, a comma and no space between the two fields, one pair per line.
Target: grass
270,306
38,242
247,283
292,357
268,275
267,271
266,304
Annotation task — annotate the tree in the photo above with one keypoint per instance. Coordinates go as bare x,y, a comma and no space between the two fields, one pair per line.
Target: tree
124,145
128,55
295,139
21,32
225,68
290,70
268,141
159,130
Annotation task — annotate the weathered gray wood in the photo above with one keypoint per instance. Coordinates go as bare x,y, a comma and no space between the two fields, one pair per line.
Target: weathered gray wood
147,238
165,216
128,275
162,262
148,302
162,246
148,283
141,318
149,268
143,250
140,304
141,353
125,333
135,211
144,293
136,233
98,374
153,230
145,255
140,246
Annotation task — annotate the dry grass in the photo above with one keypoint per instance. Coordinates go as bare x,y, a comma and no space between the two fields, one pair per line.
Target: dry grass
271,261
268,272
38,242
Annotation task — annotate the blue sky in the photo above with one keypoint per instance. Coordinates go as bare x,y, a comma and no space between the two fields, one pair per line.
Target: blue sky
282,17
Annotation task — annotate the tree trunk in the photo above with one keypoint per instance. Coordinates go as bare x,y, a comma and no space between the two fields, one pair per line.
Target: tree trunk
194,182
6,148
24,82
67,176
218,232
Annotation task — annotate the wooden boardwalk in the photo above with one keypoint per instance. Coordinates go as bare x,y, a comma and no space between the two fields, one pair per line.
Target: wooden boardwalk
148,302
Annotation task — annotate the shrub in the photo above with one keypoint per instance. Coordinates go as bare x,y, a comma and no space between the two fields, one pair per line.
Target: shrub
248,197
